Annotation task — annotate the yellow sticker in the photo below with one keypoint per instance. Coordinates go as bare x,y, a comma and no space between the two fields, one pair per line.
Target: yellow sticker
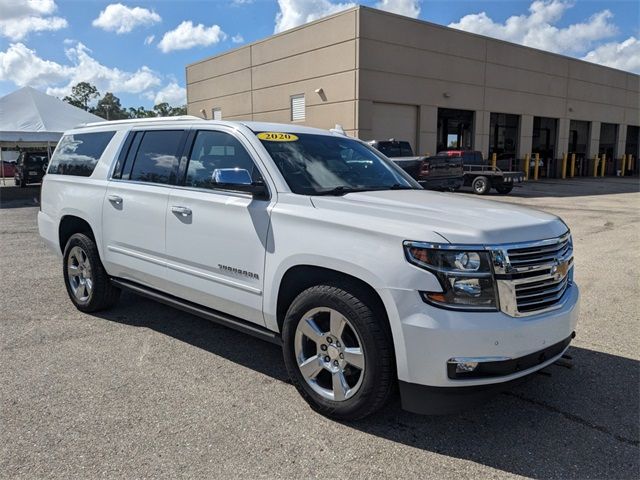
277,137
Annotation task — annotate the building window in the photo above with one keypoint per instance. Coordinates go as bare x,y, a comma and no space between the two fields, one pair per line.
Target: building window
455,129
297,108
216,113
503,139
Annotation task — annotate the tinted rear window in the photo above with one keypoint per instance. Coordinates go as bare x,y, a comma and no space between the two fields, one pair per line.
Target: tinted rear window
79,153
35,160
395,149
157,158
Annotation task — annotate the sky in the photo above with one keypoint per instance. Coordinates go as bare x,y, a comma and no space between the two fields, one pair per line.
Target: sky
138,50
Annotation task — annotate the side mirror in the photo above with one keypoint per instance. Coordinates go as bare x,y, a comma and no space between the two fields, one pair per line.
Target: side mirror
239,179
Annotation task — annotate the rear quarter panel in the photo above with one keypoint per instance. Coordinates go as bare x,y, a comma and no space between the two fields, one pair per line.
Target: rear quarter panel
82,197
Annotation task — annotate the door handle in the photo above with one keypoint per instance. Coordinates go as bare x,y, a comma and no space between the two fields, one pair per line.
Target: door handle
184,211
115,199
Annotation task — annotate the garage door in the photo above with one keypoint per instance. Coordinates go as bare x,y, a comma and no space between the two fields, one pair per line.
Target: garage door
391,120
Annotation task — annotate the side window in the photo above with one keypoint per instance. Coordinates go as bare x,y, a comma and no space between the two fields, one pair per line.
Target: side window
78,154
156,159
213,151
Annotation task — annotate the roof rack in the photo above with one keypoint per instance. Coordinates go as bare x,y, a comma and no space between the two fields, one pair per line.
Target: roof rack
140,120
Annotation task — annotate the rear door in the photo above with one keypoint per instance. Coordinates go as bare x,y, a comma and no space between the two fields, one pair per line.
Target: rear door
216,238
135,205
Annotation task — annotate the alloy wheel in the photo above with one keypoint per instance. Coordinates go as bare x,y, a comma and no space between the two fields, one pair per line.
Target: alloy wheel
79,272
329,354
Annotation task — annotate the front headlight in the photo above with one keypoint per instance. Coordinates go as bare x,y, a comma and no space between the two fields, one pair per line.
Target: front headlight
466,276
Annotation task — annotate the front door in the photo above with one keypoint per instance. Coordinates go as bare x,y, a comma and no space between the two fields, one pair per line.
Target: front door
216,238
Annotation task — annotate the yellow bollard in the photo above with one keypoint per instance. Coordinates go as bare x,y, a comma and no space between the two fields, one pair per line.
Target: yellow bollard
595,165
564,165
573,164
624,164
536,167
603,165
494,160
526,166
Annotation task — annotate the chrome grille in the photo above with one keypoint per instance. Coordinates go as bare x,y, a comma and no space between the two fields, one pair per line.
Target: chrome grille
542,255
534,277
540,294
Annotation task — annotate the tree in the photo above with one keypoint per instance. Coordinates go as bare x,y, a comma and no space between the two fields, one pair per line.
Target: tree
140,112
165,110
109,108
181,110
81,95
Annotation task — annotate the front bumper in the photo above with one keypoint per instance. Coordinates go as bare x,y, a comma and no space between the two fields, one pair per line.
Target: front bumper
429,337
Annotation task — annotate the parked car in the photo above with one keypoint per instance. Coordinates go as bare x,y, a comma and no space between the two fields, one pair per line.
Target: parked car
439,172
481,176
30,168
314,241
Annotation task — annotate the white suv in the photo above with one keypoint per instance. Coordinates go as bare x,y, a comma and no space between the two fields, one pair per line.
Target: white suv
316,241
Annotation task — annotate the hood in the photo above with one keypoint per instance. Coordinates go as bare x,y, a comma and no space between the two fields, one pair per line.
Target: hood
458,218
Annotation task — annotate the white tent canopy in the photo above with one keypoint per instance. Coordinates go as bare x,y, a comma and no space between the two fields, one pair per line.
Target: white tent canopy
29,117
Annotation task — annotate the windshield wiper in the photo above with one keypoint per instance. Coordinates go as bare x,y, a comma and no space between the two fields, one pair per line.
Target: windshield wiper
342,190
397,186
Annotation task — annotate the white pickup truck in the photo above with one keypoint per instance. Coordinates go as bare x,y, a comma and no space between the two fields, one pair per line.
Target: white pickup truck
315,241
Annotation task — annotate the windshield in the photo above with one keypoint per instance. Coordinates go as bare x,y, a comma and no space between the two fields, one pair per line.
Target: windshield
327,165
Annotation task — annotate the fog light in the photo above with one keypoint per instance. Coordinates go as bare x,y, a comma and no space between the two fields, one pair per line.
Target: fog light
464,367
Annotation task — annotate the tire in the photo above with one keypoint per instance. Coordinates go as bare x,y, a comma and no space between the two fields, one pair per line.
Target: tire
86,280
504,189
481,185
367,386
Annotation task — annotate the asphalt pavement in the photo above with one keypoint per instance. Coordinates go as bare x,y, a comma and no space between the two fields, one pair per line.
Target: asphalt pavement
144,390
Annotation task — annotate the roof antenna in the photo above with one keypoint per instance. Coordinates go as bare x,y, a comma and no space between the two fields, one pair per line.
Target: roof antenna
338,129
204,113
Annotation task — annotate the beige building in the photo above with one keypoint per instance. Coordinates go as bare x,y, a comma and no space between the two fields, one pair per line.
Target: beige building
381,75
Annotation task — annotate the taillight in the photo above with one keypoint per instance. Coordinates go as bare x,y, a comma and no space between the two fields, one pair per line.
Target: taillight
424,168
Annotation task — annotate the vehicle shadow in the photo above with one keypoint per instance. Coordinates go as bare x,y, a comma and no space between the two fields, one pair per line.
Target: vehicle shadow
579,422
572,187
16,197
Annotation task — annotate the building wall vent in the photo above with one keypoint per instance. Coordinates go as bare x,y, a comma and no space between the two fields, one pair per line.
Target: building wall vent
297,108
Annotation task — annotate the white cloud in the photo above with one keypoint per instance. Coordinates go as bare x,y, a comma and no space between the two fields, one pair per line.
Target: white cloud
149,40
21,8
172,93
408,8
624,55
23,66
237,38
187,35
298,12
21,17
121,19
537,29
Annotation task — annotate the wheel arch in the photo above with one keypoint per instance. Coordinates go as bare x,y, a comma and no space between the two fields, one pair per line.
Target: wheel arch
300,277
70,225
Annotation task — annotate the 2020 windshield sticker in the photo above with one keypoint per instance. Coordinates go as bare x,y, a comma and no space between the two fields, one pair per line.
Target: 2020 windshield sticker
277,137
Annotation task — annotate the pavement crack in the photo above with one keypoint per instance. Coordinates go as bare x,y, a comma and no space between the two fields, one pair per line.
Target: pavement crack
574,418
